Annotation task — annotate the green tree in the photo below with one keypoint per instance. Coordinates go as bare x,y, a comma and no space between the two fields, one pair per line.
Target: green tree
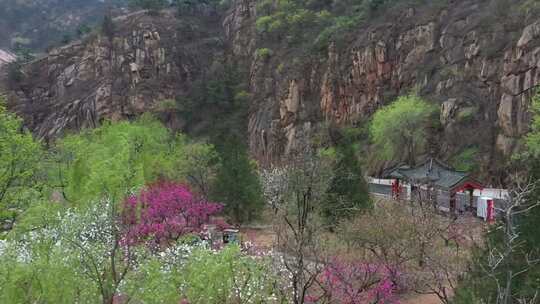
151,5
80,257
83,29
15,74
107,26
348,192
219,97
401,126
226,277
77,257
15,69
20,179
237,183
153,283
526,282
46,275
117,158
66,38
532,139
528,227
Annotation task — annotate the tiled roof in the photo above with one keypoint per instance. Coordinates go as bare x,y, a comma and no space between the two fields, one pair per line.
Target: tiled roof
432,172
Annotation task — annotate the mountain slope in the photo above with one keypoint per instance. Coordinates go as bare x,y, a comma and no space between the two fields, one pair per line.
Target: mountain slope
6,57
38,24
478,63
148,59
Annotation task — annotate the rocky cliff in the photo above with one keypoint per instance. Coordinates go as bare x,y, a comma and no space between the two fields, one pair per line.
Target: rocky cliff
6,57
146,59
478,63
38,24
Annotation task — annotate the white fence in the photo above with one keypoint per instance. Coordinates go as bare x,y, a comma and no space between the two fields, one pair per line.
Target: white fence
379,181
492,192
487,192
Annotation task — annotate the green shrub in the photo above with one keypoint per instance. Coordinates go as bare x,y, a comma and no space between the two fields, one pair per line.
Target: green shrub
312,24
335,32
263,53
467,114
213,277
151,5
401,127
264,7
242,96
263,23
167,105
465,160
280,68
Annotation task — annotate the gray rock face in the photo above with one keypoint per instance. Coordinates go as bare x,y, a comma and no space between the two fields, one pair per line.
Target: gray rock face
38,24
6,57
120,77
480,69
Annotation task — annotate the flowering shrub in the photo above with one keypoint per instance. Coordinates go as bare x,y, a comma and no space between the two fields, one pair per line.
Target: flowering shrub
64,260
165,211
356,283
228,276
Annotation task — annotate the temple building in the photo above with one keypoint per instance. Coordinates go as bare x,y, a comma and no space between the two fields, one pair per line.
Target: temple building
436,182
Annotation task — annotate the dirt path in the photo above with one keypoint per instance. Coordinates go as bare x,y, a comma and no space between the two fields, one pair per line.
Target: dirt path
420,299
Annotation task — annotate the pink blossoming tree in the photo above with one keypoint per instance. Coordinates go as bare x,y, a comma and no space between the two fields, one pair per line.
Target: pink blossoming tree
165,211
355,283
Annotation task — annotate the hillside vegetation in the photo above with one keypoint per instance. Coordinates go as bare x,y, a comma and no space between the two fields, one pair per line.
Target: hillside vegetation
216,152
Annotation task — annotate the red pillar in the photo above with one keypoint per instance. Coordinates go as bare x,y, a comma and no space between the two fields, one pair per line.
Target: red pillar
490,211
395,189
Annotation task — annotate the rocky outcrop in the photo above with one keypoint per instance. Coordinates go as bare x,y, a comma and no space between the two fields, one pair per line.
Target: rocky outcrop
479,67
6,57
478,64
239,24
520,75
40,24
148,59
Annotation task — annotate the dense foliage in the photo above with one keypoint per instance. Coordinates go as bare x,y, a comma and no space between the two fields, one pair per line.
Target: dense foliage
466,159
116,214
356,283
237,183
21,179
39,24
313,25
533,137
480,285
401,126
111,199
67,260
230,277
149,4
118,158
347,194
80,257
